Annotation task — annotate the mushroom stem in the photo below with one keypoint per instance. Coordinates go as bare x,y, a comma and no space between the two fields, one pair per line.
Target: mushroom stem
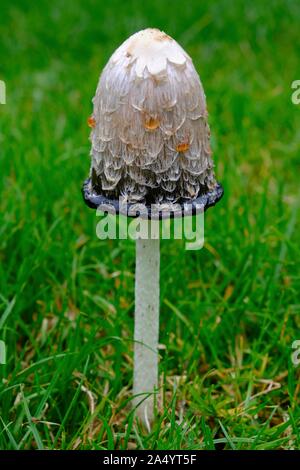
146,328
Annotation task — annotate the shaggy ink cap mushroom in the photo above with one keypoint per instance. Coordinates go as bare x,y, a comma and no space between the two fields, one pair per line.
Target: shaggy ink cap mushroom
150,145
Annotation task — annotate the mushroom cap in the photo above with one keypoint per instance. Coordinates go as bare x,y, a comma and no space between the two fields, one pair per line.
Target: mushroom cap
150,137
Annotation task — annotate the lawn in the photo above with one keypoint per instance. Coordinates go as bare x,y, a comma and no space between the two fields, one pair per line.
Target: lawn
229,312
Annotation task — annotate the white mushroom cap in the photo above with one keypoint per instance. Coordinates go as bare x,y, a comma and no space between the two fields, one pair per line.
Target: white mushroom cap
150,48
150,137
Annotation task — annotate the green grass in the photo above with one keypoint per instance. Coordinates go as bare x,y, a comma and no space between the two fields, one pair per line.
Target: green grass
229,313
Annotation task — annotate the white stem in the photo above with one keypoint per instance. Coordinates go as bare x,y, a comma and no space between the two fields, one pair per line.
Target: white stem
146,329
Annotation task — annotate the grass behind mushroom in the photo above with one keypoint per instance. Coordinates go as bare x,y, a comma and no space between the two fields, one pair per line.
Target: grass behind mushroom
228,316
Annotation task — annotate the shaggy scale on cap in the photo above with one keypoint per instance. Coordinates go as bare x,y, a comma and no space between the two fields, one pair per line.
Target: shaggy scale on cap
150,137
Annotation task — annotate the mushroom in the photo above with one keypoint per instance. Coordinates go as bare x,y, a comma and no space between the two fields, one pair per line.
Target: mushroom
150,145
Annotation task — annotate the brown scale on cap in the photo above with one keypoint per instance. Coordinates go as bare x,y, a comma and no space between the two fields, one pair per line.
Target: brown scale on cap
91,122
182,147
151,123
